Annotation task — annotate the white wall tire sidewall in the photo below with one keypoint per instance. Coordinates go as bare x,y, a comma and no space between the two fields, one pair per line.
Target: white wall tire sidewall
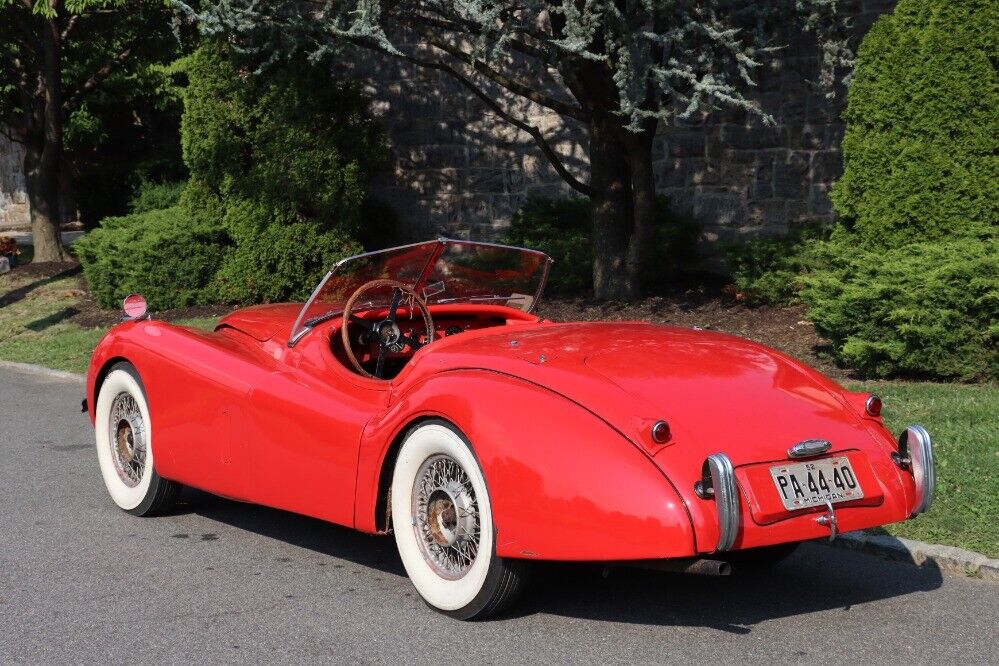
446,595
116,382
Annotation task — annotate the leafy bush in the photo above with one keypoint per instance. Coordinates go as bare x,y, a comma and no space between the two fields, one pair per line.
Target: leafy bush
923,126
770,270
279,164
922,310
152,195
563,229
163,254
284,159
908,282
276,256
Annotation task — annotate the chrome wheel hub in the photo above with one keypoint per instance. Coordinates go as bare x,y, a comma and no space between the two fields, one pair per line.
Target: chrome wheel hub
446,517
128,439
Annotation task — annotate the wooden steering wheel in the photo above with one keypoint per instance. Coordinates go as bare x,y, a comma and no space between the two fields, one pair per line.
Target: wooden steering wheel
386,332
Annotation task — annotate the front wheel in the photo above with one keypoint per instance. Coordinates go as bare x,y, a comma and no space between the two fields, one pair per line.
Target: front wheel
125,445
442,520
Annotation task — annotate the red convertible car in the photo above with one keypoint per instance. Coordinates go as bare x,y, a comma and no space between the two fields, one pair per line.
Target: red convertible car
415,393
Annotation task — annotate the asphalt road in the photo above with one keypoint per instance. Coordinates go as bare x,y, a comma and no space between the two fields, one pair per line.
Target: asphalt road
81,581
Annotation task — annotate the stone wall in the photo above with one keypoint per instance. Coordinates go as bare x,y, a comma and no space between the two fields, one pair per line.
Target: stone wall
460,170
14,211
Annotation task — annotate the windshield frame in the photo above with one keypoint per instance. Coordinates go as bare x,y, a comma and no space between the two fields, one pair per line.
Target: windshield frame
302,325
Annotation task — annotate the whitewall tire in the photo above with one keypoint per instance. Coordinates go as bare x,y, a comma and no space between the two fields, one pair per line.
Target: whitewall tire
443,525
124,438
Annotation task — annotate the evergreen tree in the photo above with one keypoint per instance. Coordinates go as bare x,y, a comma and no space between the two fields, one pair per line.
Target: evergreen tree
617,67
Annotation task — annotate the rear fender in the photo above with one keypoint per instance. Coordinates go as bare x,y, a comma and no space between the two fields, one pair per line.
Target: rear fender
563,484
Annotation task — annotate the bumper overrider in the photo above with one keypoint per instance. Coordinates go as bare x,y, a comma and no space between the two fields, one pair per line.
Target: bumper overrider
718,482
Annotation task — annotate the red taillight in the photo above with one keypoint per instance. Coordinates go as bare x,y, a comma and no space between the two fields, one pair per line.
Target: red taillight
660,432
873,406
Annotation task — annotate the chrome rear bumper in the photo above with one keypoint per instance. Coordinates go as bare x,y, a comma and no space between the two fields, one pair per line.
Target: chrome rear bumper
726,495
916,454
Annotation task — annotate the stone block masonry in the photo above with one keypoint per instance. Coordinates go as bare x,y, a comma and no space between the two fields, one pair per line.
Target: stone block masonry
459,170
14,211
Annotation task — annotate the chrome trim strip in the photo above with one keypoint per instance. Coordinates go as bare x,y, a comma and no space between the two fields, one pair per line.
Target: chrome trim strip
920,454
809,448
727,497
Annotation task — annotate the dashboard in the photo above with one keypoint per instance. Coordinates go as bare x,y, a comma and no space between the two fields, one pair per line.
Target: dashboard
446,324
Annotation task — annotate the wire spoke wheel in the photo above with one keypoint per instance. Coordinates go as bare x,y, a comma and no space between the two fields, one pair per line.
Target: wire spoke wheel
446,517
127,437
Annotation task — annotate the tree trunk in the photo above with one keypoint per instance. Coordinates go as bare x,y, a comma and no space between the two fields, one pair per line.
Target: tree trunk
643,195
42,183
43,157
624,206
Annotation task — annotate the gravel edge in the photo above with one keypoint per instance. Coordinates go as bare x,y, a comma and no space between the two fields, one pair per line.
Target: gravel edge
949,559
945,558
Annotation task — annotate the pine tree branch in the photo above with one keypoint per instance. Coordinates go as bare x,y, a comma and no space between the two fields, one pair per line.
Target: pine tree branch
534,132
514,86
517,42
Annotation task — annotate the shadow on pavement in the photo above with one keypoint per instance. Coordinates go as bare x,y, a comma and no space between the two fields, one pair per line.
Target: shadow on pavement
375,552
815,578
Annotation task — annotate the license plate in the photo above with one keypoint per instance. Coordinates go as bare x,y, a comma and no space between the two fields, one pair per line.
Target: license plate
803,485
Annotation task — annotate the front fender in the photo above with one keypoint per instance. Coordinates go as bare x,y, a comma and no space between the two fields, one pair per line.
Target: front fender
564,485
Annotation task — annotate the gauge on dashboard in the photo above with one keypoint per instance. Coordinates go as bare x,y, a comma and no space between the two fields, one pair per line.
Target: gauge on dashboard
451,330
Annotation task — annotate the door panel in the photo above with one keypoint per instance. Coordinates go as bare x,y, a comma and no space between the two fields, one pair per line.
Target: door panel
305,436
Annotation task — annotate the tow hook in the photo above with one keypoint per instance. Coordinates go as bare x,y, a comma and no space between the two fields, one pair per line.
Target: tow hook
829,520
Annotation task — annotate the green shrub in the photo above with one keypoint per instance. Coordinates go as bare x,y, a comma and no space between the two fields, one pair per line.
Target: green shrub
276,257
151,195
279,165
921,151
563,229
161,254
770,270
283,160
925,310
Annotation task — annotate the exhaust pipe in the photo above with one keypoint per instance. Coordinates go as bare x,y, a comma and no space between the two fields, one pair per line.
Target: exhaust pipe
689,565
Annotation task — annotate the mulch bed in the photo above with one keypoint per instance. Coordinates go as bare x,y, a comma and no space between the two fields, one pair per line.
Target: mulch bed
710,307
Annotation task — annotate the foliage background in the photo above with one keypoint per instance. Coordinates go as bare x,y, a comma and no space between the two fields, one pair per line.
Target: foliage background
908,283
278,174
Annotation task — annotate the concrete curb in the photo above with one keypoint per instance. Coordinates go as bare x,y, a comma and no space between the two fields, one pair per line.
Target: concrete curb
945,558
43,371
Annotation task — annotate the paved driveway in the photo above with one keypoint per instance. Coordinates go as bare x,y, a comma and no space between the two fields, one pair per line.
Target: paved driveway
221,581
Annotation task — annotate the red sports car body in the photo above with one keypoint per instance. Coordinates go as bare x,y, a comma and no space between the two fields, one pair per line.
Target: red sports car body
568,441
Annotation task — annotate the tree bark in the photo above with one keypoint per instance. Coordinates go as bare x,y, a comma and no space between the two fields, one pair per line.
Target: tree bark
638,147
43,155
613,212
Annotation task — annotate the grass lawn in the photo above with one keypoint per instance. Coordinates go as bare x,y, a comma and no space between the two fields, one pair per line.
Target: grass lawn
962,421
36,326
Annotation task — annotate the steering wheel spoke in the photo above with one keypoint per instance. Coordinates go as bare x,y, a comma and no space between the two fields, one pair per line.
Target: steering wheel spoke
369,327
385,332
411,341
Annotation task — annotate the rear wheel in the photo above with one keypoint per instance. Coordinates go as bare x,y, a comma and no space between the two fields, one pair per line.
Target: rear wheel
442,520
124,445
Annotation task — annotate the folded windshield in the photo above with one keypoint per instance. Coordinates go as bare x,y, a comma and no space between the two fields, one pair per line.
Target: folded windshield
441,271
